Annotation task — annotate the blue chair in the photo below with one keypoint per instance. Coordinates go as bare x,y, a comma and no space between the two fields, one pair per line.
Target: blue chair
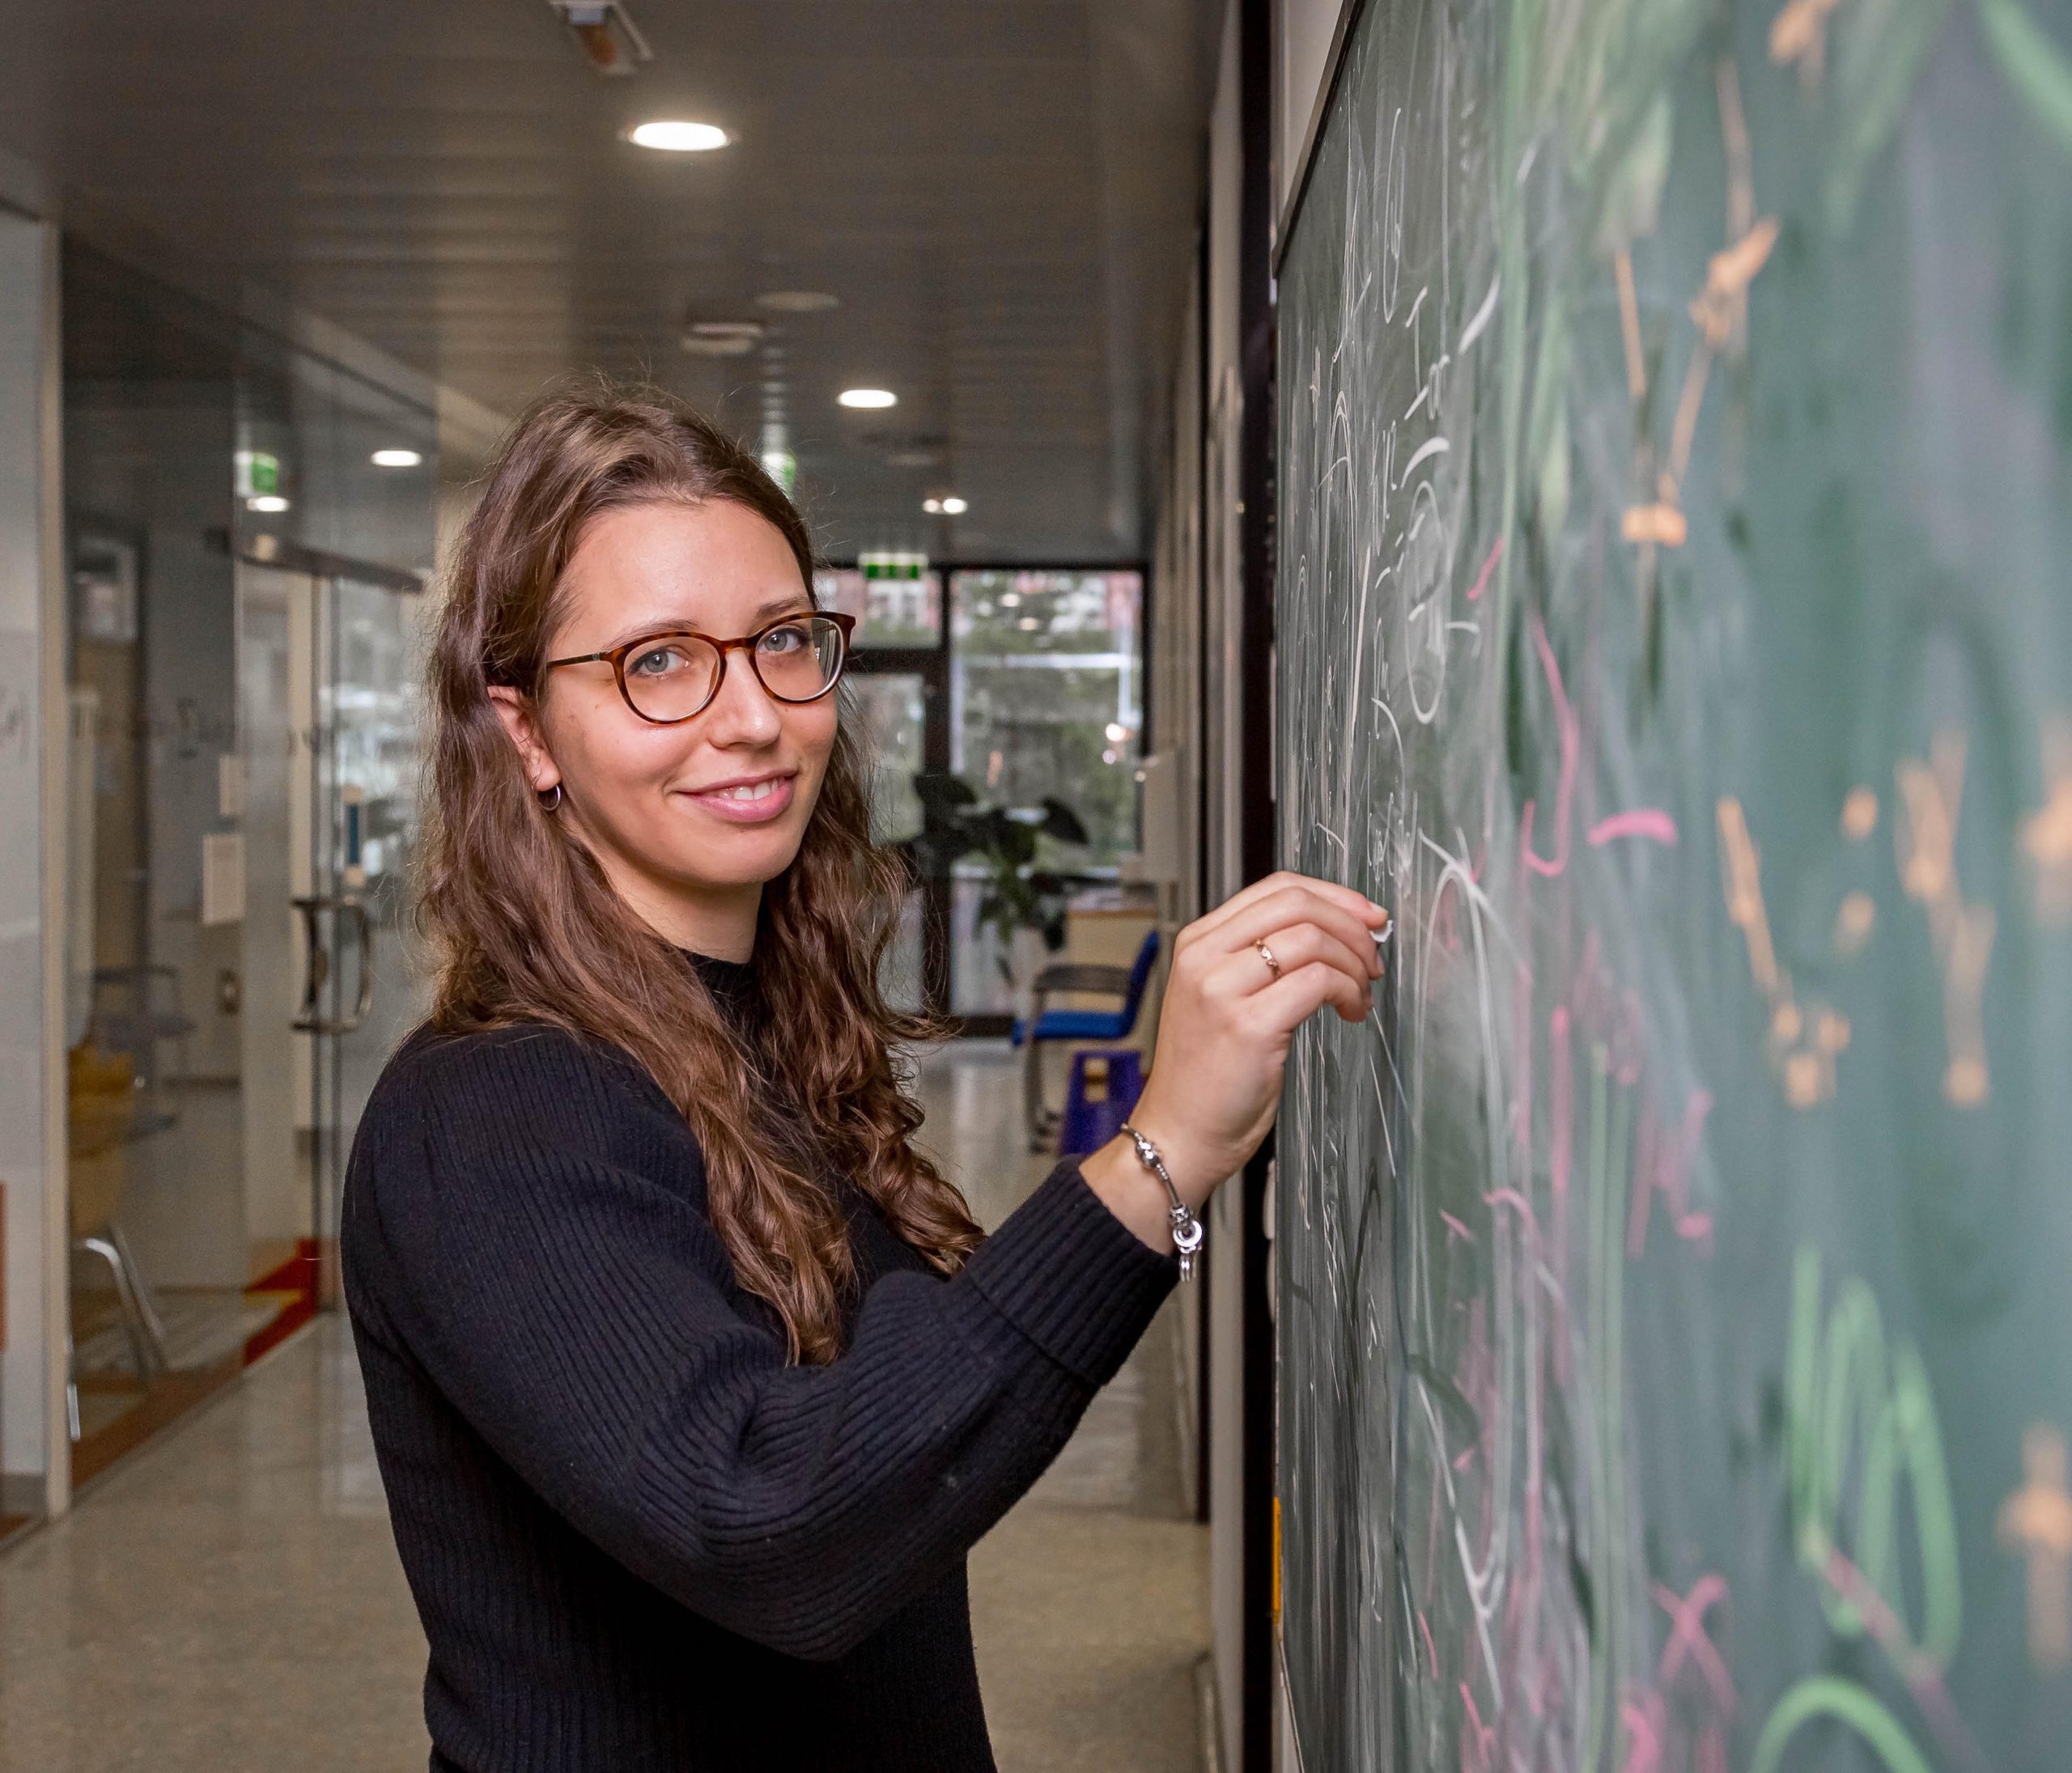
1099,1095
1047,1026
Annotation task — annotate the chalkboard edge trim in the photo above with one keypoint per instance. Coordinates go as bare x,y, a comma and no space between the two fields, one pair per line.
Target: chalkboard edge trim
1349,15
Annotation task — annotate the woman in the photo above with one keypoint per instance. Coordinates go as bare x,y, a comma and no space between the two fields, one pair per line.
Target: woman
691,1380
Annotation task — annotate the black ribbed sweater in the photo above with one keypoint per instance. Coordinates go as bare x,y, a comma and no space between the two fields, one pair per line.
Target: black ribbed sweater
638,1539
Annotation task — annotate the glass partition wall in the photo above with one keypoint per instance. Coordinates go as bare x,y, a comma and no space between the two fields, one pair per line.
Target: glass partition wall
244,579
1030,691
1045,704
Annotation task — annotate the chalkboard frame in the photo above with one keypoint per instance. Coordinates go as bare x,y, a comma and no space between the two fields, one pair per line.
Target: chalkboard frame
1349,14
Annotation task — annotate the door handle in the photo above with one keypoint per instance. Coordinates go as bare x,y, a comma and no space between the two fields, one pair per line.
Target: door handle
317,969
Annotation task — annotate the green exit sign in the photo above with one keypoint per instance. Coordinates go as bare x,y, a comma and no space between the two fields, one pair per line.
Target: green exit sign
258,473
895,565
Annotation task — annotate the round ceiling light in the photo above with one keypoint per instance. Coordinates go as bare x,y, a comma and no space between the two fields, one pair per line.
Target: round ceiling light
954,506
675,135
267,504
797,301
722,338
398,458
867,400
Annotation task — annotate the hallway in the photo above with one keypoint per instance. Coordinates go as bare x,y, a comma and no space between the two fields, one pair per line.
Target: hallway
231,1599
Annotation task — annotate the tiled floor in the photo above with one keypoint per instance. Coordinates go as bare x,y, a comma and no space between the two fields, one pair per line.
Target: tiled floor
230,1600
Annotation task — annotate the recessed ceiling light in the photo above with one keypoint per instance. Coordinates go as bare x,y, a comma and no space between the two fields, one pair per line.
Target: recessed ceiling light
722,338
932,507
398,458
954,506
674,135
797,301
268,504
868,400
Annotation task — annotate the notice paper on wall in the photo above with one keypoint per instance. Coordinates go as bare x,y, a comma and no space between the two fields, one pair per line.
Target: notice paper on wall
222,877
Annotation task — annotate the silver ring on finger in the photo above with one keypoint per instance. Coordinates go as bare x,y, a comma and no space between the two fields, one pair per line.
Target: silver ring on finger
1266,954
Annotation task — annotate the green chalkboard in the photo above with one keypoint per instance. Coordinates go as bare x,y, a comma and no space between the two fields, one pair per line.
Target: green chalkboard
1673,1274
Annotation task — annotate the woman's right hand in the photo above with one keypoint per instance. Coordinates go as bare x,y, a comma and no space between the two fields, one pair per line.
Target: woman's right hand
1224,1032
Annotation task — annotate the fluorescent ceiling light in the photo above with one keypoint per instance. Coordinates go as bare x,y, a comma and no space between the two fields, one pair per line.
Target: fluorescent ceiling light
398,458
269,504
797,301
868,400
673,135
722,338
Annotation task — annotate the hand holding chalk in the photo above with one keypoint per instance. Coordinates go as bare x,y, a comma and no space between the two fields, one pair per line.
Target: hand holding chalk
1244,978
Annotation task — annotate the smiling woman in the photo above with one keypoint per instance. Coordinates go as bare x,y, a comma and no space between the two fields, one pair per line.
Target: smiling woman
691,1381
644,794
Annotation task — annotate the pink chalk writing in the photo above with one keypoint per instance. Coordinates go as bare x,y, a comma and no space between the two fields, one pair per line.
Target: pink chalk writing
1564,791
1648,822
1687,1636
1662,1164
1482,578
1643,1722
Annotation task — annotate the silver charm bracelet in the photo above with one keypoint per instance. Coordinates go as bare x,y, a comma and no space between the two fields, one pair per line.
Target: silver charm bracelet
1186,1229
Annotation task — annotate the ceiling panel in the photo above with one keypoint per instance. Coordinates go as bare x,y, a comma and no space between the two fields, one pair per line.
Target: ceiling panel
1002,194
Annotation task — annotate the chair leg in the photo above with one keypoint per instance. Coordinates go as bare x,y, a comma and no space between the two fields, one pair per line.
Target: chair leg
1032,1093
140,1289
71,1389
146,1351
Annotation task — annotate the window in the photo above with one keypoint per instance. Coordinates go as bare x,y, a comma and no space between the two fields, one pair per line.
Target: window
1044,692
1045,696
895,608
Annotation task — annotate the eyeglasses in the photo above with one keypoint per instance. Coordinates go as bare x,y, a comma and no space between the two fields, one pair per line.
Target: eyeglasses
670,676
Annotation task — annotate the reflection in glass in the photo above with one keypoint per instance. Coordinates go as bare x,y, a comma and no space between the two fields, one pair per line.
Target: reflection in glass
889,612
228,719
887,711
1044,692
155,1098
1046,676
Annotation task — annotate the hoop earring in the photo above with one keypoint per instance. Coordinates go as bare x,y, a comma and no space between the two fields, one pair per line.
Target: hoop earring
554,805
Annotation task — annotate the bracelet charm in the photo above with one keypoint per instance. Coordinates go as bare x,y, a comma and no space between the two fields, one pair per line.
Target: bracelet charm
1188,1233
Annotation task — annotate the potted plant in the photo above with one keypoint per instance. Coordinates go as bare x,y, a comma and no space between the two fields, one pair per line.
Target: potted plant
1023,904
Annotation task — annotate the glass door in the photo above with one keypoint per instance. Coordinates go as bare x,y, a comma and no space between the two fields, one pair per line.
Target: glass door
364,983
890,709
896,693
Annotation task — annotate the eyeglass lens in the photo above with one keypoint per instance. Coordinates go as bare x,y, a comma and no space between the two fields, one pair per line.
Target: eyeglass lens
675,675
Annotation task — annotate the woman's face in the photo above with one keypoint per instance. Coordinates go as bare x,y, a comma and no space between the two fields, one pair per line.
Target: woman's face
661,807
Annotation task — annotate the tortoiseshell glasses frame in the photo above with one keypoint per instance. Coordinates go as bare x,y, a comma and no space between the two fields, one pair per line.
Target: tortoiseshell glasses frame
802,675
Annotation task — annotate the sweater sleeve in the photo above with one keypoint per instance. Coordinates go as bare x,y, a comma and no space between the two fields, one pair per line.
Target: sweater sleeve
580,1316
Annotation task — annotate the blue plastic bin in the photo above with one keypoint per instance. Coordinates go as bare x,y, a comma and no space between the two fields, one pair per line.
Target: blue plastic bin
1103,1088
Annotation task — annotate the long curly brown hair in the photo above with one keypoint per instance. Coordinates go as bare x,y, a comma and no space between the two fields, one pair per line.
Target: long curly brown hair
528,929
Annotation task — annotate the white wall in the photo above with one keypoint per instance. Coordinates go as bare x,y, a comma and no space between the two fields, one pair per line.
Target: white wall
32,729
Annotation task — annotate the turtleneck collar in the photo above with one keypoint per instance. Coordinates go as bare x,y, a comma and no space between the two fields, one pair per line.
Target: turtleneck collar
731,982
